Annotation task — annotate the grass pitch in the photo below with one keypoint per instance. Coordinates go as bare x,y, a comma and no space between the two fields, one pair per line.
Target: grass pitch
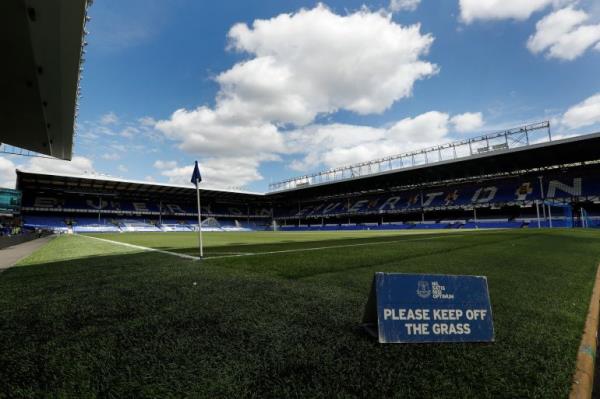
88,318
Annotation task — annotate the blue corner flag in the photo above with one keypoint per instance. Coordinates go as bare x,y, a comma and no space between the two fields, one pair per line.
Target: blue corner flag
196,178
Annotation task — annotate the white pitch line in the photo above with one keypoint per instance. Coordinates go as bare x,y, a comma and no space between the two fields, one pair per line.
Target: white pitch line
190,257
283,251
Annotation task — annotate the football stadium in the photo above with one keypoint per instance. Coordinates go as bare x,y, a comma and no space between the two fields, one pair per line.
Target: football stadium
118,287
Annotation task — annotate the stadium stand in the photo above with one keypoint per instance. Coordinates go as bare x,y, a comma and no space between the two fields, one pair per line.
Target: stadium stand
555,184
94,204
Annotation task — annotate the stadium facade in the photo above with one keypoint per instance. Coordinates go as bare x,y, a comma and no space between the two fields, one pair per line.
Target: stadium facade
555,183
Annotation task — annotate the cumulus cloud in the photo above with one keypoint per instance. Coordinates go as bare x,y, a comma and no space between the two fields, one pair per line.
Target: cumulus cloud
467,122
300,65
339,144
324,145
563,34
586,113
7,173
429,127
334,144
315,61
207,132
216,172
78,165
403,5
472,10
318,145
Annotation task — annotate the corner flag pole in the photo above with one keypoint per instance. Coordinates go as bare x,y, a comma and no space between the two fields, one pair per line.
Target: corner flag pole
196,179
199,220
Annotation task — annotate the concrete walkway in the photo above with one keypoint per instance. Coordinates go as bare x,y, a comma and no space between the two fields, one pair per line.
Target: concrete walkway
11,255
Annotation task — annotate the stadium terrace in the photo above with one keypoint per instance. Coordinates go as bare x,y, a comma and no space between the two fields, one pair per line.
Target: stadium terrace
550,184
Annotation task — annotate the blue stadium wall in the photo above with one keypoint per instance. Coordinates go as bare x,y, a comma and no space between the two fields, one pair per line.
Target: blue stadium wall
563,197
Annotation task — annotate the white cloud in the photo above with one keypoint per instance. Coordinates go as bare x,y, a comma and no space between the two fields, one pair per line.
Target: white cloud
562,34
118,147
129,132
472,10
403,5
88,135
207,132
162,165
7,173
429,127
93,131
332,135
467,122
315,61
123,169
301,65
323,145
231,149
333,144
147,121
111,156
585,113
109,119
338,144
78,165
216,172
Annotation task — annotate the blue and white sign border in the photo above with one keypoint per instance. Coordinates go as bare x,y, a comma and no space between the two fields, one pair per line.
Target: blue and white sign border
390,288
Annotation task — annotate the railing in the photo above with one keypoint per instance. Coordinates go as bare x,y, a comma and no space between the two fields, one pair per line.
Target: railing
521,136
12,150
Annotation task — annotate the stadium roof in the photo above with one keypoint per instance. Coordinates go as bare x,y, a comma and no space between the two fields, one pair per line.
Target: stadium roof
41,44
535,156
108,185
520,136
568,151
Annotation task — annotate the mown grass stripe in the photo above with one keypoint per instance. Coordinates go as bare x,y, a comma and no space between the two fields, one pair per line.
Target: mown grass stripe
86,318
190,257
283,251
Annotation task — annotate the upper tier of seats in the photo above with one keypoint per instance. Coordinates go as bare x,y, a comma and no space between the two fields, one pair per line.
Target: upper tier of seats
521,191
104,205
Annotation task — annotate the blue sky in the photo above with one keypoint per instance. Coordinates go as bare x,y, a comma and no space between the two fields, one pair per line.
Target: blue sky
264,90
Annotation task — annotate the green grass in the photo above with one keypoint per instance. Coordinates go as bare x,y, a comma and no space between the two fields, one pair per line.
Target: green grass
86,318
221,244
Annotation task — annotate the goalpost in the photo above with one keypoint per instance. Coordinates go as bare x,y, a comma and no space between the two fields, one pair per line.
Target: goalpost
585,218
567,211
210,223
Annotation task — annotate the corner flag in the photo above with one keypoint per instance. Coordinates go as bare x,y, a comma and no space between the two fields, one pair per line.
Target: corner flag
196,178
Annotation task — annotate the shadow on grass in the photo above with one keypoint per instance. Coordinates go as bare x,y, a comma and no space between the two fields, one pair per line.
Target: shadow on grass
153,325
148,324
289,245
